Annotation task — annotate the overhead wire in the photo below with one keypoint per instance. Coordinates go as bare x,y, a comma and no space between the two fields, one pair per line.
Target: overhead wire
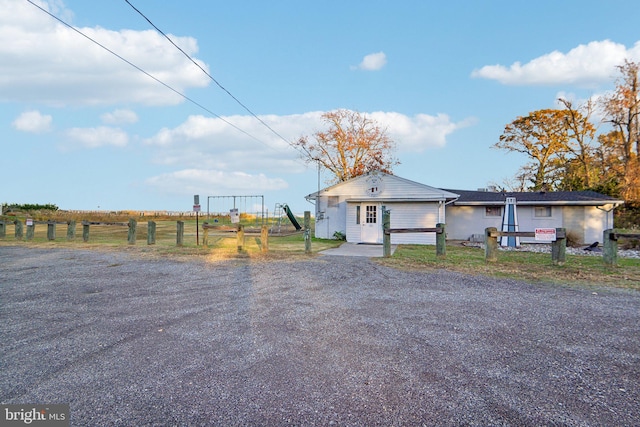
199,105
208,74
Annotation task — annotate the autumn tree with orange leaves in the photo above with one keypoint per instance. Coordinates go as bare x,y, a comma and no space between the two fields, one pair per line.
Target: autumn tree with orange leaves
352,145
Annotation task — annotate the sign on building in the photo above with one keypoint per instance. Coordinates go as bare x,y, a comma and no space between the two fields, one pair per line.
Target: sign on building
545,234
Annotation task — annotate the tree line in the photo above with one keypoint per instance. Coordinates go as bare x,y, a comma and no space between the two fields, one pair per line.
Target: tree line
566,150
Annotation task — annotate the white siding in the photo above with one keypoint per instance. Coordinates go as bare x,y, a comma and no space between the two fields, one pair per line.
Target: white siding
343,216
465,221
353,228
333,217
414,215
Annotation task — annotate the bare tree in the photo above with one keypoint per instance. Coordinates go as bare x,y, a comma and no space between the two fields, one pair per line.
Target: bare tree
352,145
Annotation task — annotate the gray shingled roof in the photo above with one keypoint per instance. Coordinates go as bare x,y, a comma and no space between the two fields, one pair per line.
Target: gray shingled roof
538,197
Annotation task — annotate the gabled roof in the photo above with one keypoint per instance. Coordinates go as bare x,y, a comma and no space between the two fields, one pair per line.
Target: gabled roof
585,198
395,189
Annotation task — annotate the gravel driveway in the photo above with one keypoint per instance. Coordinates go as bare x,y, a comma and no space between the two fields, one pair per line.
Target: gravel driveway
127,341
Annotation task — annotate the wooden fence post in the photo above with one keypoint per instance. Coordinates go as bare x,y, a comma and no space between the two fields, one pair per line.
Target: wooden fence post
3,229
19,230
151,233
264,238
71,230
51,230
180,233
441,241
559,247
307,232
490,245
85,231
240,235
386,236
205,234
131,237
609,248
31,229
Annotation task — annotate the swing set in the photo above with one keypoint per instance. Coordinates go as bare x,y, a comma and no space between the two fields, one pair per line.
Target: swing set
224,210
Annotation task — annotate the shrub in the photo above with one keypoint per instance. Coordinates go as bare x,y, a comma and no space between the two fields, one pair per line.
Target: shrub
31,207
339,235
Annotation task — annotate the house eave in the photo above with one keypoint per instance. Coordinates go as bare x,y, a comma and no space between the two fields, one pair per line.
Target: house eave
544,203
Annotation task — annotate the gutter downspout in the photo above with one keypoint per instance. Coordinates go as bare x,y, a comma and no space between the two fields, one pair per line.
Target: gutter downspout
441,211
615,205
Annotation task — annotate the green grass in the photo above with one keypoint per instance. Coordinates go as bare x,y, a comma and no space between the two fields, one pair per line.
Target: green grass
535,267
220,245
529,266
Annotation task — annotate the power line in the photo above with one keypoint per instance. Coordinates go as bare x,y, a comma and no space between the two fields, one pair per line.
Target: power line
209,75
148,74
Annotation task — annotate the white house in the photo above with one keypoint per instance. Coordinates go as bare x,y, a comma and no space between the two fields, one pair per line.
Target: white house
354,208
584,214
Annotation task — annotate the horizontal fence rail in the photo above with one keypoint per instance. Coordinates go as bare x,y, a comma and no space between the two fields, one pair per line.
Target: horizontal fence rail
491,235
387,231
610,245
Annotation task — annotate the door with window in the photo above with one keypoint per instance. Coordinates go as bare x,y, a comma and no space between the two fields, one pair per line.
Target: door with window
370,223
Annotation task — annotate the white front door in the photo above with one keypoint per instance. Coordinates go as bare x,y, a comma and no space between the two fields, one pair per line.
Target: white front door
370,223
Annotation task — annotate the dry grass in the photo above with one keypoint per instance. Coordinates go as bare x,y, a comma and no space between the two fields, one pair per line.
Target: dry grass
224,246
528,266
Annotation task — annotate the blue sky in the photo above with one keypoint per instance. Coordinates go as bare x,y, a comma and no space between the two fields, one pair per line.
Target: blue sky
85,130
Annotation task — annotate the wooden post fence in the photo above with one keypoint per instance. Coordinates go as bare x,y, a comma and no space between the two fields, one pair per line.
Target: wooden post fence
439,229
131,236
264,238
307,232
180,233
240,237
19,230
151,233
386,236
3,229
31,229
71,230
85,231
491,235
51,230
610,245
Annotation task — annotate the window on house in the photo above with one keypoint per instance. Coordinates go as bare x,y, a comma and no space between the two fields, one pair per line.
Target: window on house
371,214
357,214
492,211
542,212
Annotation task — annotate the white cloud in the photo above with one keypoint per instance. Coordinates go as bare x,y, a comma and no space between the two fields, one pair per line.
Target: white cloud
214,144
420,132
201,181
33,122
210,154
118,117
372,62
42,60
98,137
585,65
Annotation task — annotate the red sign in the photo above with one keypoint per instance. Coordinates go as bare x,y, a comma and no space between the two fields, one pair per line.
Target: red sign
196,208
546,234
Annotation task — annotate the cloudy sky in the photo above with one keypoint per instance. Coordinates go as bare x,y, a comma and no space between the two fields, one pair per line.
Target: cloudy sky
98,110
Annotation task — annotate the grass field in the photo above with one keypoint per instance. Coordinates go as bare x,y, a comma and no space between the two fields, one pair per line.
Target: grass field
528,266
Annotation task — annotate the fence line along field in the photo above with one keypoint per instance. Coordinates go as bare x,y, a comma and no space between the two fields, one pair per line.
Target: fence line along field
101,229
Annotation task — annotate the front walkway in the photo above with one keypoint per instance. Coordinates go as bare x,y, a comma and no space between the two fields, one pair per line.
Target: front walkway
356,249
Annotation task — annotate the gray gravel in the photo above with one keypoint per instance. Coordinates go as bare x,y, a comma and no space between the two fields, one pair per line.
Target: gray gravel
330,340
